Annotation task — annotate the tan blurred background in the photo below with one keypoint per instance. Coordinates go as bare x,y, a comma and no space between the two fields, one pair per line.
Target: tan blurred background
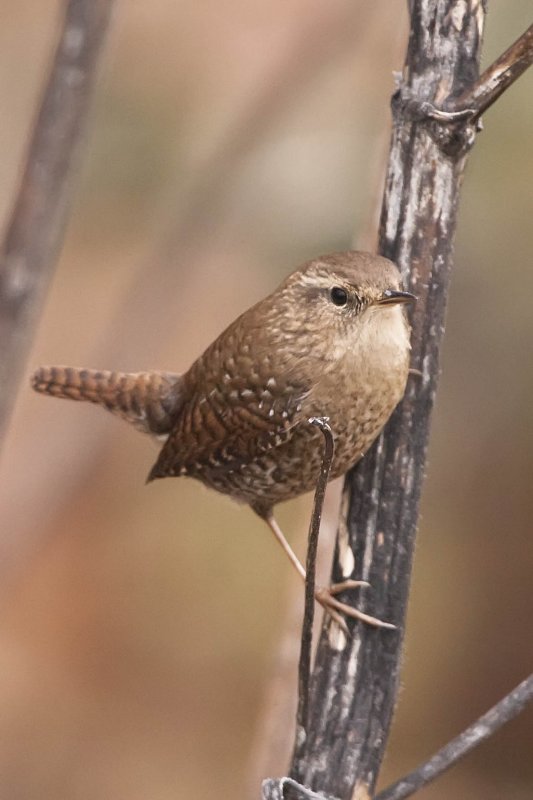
229,141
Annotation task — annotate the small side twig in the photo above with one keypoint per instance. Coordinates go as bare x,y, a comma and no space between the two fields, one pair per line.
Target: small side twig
304,666
504,711
481,94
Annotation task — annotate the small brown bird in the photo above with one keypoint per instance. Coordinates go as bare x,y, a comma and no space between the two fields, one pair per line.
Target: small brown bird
331,341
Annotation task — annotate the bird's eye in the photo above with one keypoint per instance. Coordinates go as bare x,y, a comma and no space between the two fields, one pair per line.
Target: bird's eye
339,296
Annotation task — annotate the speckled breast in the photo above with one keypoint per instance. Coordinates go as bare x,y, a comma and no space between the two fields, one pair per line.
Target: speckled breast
292,467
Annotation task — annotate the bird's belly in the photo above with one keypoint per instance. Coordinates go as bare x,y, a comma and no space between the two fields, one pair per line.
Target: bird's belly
292,468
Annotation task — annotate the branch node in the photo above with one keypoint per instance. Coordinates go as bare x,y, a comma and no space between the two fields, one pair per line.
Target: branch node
274,789
454,130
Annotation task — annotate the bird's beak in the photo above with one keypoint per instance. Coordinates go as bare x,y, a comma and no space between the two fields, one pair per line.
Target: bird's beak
391,297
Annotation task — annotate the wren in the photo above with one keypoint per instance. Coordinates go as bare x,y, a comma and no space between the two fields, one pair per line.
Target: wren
332,341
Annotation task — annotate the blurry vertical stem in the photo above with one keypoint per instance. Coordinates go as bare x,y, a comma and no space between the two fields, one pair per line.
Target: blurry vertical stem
34,231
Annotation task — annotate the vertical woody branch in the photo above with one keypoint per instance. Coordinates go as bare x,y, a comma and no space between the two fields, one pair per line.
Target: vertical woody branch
355,681
34,230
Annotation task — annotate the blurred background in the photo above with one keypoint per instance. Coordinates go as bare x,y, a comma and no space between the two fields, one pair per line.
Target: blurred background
230,140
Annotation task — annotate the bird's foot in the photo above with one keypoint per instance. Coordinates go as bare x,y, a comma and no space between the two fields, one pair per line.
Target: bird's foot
327,599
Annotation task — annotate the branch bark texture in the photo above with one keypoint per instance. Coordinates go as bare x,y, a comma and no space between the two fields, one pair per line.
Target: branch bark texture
355,680
34,230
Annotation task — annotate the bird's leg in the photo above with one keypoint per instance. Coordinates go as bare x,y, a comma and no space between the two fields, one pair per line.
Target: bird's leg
326,596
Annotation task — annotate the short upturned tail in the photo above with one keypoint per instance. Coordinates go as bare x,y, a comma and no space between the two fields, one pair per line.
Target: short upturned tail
148,400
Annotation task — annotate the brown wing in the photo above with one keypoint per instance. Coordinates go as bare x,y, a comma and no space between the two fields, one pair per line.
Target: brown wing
243,398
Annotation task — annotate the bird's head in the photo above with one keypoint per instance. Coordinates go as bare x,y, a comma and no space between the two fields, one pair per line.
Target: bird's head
341,301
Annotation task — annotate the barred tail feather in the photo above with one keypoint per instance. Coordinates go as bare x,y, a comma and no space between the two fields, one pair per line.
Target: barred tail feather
148,400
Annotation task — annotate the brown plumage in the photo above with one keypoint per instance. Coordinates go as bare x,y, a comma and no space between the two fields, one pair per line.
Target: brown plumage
332,341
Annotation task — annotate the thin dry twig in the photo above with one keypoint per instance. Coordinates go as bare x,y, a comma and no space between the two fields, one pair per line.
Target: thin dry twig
304,666
507,709
35,228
